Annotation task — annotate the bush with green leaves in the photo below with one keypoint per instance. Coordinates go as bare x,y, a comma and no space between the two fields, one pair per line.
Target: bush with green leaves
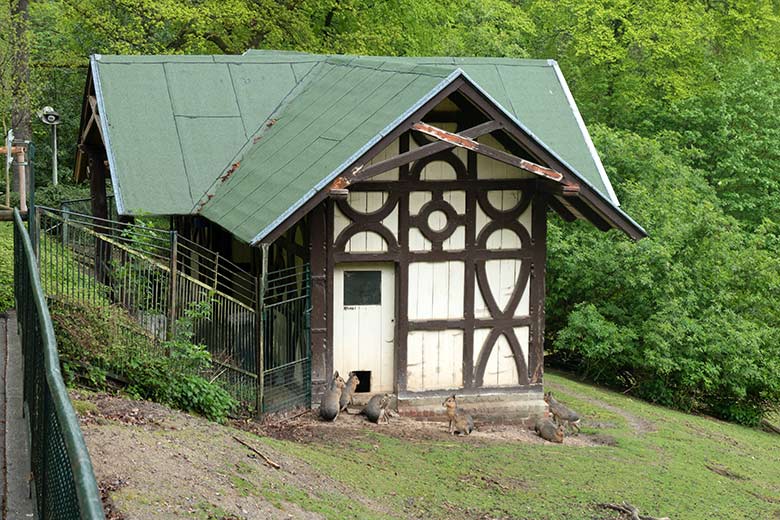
688,317
100,342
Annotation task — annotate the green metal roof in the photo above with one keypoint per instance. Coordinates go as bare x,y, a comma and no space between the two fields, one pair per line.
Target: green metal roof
341,109
174,125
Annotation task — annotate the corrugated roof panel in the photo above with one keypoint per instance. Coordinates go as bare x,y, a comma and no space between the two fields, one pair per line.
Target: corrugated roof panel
144,140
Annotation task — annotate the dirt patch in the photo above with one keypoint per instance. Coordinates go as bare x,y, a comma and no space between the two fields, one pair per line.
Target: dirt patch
153,462
638,424
309,428
724,472
106,487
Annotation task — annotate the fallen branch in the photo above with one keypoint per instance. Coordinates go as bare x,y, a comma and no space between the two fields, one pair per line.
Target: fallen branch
266,459
628,509
769,426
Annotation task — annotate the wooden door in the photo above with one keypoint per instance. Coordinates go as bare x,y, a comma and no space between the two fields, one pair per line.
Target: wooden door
364,323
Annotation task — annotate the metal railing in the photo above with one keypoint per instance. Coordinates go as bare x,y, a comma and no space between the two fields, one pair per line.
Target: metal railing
286,318
62,474
155,276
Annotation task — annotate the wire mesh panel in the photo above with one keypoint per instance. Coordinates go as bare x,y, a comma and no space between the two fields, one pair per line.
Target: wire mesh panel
62,475
286,339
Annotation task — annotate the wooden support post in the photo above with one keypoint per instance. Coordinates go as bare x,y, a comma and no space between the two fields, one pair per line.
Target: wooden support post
318,255
97,188
260,354
21,170
173,285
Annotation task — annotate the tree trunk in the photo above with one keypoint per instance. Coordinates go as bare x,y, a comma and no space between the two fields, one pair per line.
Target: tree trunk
20,91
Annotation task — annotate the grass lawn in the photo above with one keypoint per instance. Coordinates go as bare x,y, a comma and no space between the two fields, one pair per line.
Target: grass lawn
664,462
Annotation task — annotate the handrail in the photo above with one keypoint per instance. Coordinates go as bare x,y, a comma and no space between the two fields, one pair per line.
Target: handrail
87,494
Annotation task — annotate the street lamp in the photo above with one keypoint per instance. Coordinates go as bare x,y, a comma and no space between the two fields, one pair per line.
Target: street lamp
50,117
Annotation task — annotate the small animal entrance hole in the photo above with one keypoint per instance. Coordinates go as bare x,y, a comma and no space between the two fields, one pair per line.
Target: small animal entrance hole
365,380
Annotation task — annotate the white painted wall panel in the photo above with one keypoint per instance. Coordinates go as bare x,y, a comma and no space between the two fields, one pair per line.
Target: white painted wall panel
417,200
524,307
391,222
456,199
480,308
436,290
366,242
523,334
390,151
482,220
340,222
438,171
456,241
502,277
501,369
417,242
503,239
488,168
525,220
435,360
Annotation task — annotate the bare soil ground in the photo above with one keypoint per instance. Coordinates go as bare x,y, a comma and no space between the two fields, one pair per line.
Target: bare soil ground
309,428
154,462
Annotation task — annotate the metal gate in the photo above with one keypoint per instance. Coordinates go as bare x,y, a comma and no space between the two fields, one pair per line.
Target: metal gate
286,339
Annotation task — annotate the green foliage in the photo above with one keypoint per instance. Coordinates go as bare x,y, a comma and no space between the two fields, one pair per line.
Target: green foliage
687,317
52,196
6,266
736,129
98,341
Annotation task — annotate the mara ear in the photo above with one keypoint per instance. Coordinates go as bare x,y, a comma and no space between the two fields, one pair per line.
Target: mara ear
453,396
335,374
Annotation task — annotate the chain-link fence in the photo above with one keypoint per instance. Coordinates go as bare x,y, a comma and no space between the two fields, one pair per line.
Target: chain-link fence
62,472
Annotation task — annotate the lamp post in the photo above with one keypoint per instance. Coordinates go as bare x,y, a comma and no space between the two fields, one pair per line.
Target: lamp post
50,117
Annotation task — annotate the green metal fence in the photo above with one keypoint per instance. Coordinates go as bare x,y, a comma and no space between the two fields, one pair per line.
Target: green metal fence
62,475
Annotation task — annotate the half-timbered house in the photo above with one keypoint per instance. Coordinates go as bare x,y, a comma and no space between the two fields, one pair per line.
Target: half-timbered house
416,189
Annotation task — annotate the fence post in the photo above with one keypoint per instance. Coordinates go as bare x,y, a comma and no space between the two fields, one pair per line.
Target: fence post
172,285
260,324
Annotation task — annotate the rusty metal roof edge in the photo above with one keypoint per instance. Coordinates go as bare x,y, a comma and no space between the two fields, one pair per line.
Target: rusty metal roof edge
363,149
93,63
585,134
552,152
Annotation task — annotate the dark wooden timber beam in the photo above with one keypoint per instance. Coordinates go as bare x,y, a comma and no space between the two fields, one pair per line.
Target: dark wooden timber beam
363,172
561,209
590,214
595,199
489,151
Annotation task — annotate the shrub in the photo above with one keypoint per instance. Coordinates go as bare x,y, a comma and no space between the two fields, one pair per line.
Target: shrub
98,342
688,317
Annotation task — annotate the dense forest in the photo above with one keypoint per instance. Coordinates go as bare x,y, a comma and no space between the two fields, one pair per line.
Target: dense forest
682,99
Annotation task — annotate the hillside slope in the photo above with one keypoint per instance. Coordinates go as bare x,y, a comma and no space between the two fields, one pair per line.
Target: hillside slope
157,463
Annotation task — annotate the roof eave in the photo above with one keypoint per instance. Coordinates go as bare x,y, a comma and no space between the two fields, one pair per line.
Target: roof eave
93,64
606,207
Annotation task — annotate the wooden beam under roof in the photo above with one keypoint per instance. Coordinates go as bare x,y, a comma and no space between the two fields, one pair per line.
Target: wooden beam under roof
363,172
489,151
